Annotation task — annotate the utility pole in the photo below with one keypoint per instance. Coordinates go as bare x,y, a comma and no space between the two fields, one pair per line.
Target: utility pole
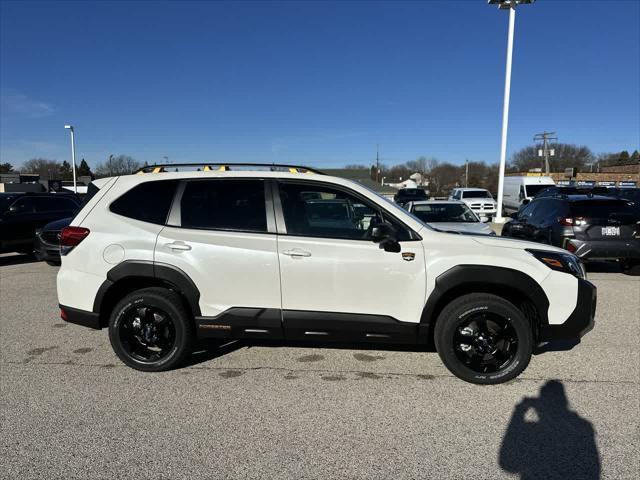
545,152
466,173
377,162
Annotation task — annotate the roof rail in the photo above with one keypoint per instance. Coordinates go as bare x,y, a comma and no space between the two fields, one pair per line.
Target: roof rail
225,167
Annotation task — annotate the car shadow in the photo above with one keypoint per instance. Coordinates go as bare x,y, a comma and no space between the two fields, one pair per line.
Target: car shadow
210,350
17,259
544,439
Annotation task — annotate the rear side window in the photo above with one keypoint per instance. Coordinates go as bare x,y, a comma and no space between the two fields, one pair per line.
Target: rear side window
224,205
147,202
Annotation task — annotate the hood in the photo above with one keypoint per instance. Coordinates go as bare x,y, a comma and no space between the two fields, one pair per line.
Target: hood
470,227
504,242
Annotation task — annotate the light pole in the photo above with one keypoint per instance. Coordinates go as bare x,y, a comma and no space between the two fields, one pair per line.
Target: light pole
511,6
73,157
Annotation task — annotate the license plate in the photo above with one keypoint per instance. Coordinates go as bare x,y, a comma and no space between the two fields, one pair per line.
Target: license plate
610,231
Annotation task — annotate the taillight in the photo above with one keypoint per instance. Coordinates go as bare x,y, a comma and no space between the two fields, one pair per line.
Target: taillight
571,247
571,221
71,237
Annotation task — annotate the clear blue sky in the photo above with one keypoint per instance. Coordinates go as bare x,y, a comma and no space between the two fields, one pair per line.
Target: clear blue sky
315,83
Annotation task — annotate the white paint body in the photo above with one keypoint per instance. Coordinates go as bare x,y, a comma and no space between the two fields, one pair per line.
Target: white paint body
233,269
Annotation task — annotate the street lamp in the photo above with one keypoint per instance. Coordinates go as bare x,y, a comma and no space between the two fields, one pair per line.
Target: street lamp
503,5
73,157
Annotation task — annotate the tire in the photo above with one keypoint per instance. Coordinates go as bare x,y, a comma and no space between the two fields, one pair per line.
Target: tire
488,358
150,330
53,263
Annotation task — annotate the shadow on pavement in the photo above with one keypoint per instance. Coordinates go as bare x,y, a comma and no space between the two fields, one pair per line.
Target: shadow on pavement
547,440
17,259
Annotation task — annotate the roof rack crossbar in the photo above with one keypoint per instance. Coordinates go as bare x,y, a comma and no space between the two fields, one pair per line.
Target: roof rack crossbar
225,166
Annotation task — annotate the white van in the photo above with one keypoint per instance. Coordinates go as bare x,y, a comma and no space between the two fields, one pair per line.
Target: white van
519,189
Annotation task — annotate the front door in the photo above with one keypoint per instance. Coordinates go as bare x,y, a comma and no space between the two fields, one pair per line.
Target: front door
336,283
219,236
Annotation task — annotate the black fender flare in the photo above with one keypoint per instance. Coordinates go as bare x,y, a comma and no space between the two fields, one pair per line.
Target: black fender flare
169,274
486,278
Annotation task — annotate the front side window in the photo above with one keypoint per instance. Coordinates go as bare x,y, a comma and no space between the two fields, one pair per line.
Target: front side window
24,205
55,204
147,202
319,211
224,205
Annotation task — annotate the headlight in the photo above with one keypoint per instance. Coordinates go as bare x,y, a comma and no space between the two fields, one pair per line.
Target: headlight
561,262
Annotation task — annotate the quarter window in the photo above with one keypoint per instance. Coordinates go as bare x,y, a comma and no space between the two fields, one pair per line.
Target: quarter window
147,202
224,205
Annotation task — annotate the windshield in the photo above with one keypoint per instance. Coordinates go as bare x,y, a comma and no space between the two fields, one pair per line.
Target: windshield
445,212
619,210
532,190
476,194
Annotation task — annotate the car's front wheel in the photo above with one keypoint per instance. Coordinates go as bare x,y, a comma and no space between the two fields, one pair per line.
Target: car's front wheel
150,330
482,338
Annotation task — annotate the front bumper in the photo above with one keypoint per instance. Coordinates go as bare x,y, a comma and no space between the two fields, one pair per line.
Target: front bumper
605,249
581,321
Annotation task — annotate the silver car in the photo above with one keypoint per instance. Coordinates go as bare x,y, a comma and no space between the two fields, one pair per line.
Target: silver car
449,215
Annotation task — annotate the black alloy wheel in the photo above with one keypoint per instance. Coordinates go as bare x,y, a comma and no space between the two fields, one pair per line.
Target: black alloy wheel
486,342
483,338
151,330
147,333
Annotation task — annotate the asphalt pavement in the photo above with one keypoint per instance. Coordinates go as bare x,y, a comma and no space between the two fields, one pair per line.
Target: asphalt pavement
70,409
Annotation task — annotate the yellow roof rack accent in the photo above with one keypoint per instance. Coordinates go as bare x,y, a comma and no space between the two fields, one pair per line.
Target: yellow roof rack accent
206,168
225,167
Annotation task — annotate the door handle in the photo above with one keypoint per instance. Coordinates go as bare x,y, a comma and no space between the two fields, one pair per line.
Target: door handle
178,246
296,252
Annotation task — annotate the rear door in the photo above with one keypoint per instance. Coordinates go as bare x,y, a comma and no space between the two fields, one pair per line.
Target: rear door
51,208
221,233
19,223
336,283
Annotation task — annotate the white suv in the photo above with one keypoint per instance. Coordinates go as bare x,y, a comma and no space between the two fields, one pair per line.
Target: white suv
236,252
477,199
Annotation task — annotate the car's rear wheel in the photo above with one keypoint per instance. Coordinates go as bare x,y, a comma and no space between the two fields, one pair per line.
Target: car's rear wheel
150,330
482,338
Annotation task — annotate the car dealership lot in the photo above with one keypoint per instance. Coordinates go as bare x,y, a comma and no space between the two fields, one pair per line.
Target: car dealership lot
70,409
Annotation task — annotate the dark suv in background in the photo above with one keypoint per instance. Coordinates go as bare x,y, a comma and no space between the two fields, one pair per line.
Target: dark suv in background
593,227
21,214
406,195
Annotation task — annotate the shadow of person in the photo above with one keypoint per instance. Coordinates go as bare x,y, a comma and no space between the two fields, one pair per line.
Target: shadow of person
547,440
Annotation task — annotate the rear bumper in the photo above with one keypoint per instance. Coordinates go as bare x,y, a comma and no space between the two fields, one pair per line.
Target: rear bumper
606,249
581,321
80,317
46,251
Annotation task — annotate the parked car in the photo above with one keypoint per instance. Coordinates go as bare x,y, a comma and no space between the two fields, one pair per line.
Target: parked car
21,214
405,195
519,190
478,199
47,241
593,227
165,259
449,216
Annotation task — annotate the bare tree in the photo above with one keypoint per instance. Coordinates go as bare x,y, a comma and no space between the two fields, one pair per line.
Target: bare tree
42,166
117,165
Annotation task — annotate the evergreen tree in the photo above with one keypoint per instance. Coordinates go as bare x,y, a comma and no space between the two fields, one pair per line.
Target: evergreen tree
84,170
635,157
8,168
624,158
65,171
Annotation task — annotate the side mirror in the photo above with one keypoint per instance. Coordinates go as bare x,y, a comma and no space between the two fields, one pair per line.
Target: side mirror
514,215
385,235
525,201
484,219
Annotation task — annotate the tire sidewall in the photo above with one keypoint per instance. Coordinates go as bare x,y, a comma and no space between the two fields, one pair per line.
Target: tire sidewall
178,319
454,317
